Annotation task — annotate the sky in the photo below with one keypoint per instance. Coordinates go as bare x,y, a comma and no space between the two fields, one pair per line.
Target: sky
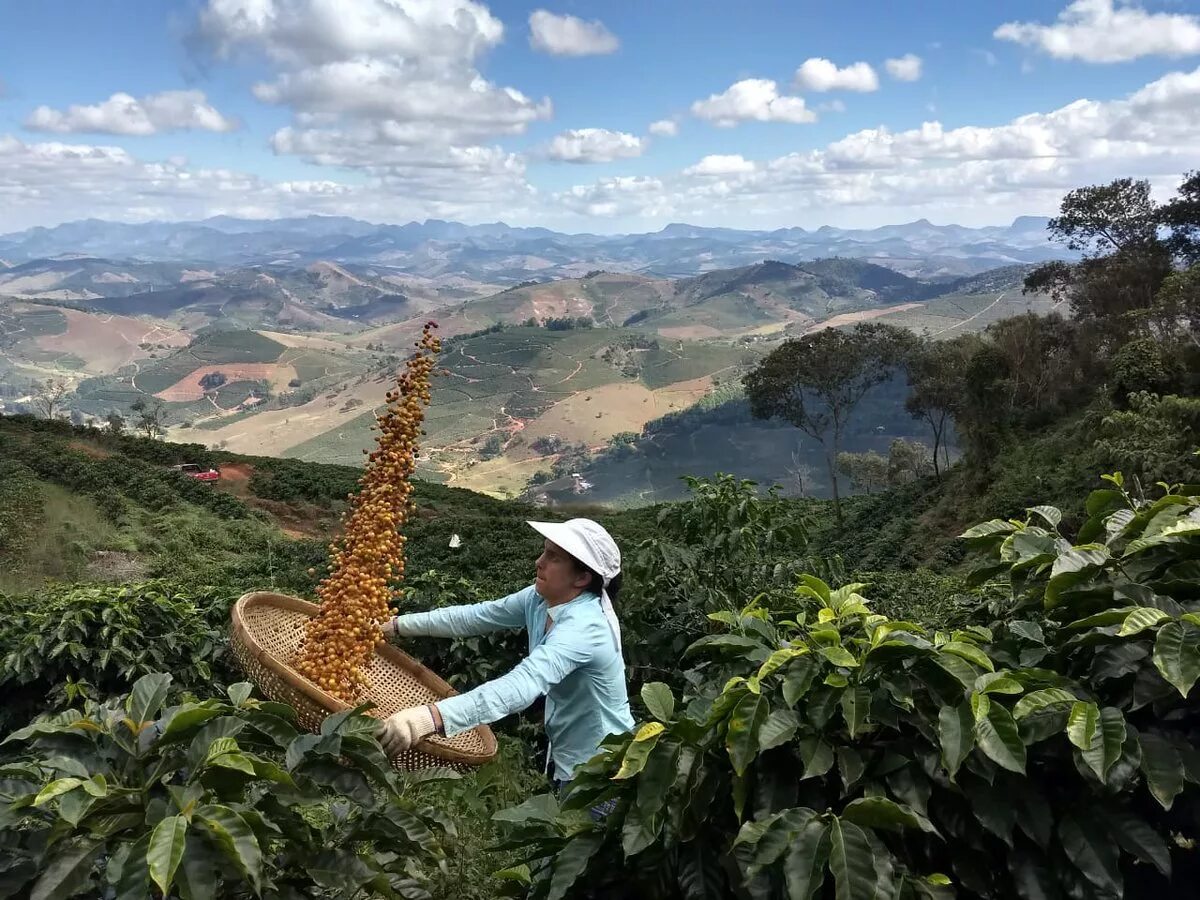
609,117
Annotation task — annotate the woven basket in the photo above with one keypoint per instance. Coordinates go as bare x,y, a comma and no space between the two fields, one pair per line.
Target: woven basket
266,633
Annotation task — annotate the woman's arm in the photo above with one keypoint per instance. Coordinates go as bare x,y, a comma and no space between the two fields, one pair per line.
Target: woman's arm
466,621
562,653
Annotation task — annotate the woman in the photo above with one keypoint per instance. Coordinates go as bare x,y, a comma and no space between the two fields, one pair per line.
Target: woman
574,652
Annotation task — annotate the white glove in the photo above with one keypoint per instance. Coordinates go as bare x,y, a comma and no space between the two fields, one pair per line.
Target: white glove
404,729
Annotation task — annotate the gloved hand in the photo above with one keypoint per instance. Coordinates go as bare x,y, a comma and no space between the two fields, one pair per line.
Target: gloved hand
404,729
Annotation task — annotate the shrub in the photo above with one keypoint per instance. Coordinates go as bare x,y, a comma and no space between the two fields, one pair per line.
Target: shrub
213,798
94,641
829,747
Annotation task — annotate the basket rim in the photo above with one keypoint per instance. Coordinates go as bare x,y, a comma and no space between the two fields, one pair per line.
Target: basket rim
421,672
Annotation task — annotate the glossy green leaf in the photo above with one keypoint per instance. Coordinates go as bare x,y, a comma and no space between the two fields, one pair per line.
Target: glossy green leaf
148,695
956,734
56,788
880,812
1138,839
741,740
969,652
659,700
998,683
1092,852
1140,619
804,865
817,757
657,777
839,656
165,851
997,736
571,862
239,693
778,728
1042,699
798,678
852,861
1177,655
1052,514
639,751
1162,765
68,871
1082,723
1106,744
856,704
235,839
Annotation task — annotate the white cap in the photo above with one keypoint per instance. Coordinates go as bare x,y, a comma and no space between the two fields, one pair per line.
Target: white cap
593,546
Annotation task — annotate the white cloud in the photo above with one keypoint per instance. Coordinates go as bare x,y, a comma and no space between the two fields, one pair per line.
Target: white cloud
834,105
609,197
718,164
595,145
817,74
752,100
569,36
1096,31
127,115
664,128
390,87
904,68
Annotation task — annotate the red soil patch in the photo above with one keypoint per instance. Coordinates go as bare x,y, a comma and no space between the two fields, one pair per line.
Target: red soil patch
188,388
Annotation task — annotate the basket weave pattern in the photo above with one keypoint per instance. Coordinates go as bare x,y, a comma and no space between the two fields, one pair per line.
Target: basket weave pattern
265,635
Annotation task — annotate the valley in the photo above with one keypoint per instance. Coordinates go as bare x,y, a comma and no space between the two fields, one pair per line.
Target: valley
609,382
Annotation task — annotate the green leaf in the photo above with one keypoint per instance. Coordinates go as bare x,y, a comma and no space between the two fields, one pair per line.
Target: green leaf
856,703
1162,765
56,788
659,700
879,812
166,851
235,839
1073,567
239,693
998,683
1177,655
777,729
969,652
1107,741
1051,514
817,757
1081,725
999,739
804,865
197,877
1040,700
742,738
186,718
852,861
1140,619
149,694
956,733
1092,852
571,862
839,656
989,529
1138,839
69,870
798,679
656,778
639,751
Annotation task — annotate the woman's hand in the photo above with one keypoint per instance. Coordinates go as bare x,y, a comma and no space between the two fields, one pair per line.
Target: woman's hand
388,627
406,728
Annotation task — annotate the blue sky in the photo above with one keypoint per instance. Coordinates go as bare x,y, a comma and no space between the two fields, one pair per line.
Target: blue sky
769,113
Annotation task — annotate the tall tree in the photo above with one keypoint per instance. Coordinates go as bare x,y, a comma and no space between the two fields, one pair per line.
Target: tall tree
1105,218
151,419
866,471
815,382
1182,216
935,381
50,396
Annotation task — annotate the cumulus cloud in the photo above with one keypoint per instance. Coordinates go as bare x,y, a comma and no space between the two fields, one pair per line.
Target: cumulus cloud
904,68
817,74
390,87
752,100
595,145
569,36
616,196
128,115
1097,31
664,128
718,164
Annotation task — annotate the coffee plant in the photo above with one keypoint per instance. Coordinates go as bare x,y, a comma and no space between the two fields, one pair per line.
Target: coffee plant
74,641
826,750
223,797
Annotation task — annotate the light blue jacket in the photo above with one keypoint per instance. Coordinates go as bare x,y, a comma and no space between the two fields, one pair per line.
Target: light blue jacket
576,665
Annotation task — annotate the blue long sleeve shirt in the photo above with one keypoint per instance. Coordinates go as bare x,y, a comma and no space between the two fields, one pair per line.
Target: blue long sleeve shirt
575,664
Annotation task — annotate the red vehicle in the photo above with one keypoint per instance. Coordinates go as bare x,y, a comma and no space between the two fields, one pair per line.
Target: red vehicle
191,470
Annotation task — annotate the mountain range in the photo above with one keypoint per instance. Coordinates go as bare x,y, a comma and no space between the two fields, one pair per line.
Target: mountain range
499,254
